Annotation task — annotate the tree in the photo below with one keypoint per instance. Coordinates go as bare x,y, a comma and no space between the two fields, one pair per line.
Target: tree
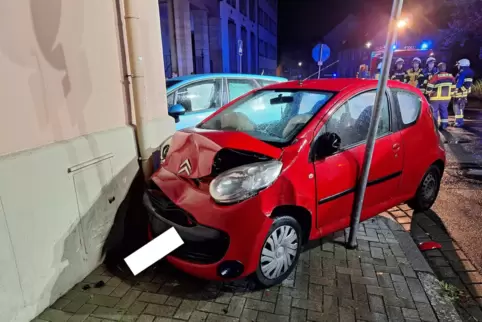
465,22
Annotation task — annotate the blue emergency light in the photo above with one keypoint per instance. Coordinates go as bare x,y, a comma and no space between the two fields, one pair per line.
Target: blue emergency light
424,46
394,47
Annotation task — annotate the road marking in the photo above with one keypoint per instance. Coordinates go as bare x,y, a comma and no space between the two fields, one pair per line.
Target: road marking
153,251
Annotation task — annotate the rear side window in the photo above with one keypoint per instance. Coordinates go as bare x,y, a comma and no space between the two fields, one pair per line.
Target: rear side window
239,87
410,105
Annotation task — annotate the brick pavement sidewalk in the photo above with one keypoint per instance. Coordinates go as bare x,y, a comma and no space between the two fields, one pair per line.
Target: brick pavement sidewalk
385,279
450,263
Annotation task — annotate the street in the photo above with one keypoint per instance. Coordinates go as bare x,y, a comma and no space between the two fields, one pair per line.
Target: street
459,204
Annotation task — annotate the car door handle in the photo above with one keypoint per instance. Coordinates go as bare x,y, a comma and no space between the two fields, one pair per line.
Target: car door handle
396,147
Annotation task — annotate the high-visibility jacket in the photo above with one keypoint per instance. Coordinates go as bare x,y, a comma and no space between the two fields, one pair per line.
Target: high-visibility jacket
399,75
441,87
463,82
413,76
425,77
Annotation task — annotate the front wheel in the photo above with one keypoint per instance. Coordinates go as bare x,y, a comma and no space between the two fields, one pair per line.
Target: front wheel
428,190
280,251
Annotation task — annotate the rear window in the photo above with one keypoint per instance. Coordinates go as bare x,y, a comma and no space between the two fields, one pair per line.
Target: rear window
410,105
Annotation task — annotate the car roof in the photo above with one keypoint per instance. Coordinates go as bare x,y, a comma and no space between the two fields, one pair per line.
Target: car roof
231,75
337,84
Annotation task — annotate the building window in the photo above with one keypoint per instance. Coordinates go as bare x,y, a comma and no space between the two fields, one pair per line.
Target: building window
252,10
272,27
232,3
243,7
262,48
266,21
260,17
253,53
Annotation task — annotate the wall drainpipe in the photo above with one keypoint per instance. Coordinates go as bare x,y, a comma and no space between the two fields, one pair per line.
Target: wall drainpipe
137,81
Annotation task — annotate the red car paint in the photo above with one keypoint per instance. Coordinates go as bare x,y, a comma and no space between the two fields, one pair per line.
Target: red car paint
324,189
424,246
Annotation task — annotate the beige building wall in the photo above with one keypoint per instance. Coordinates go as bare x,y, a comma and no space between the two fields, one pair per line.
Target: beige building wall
67,151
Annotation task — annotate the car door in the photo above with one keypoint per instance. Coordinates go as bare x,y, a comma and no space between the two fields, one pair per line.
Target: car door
239,86
200,99
337,175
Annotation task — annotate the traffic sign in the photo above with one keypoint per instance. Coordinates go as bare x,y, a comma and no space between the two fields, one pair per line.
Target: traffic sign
320,53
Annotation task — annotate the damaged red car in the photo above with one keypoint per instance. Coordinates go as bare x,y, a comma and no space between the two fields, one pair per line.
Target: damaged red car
258,179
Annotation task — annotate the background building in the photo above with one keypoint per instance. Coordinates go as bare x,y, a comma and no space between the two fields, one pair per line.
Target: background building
68,149
202,36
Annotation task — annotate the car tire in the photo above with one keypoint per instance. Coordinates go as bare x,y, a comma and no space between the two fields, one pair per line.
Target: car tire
280,252
427,191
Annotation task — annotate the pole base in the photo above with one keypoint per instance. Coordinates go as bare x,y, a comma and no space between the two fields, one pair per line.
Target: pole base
351,245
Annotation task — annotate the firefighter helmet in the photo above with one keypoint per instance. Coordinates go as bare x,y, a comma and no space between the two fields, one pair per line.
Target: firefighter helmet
442,66
431,60
399,61
416,60
464,62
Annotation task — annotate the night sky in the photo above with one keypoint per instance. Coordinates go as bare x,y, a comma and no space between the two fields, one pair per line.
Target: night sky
303,23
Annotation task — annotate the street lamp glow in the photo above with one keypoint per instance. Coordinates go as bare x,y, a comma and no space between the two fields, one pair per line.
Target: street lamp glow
300,64
402,23
368,44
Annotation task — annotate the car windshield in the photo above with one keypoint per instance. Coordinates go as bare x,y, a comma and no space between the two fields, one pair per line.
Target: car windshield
273,116
170,83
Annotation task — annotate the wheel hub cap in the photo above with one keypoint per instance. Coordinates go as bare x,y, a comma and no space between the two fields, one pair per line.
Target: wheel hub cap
279,252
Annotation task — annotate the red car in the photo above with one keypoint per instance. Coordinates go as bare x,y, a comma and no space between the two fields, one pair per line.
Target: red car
251,184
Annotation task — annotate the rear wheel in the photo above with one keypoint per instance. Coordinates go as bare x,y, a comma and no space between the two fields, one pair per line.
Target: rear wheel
280,251
428,190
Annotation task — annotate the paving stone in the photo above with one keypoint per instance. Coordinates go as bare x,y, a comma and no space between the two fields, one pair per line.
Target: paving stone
128,299
315,292
397,278
407,270
236,306
248,315
60,304
387,269
368,270
330,304
364,314
298,315
121,289
83,313
322,317
454,255
307,304
402,290
270,295
475,289
384,280
438,261
108,313
377,253
417,291
146,318
212,317
185,310
410,313
395,314
322,280
160,310
198,316
349,271
54,315
269,317
360,293
283,304
470,277
364,280
463,266
376,304
446,272
260,305
426,312
152,298
346,314
224,297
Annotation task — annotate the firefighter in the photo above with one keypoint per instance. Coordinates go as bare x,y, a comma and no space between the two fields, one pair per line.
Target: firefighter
440,90
398,73
414,72
379,70
427,74
464,81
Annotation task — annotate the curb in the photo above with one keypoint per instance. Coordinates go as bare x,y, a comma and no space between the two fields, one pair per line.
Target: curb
444,309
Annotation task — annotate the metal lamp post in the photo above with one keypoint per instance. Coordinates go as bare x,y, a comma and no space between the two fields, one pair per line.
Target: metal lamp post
375,118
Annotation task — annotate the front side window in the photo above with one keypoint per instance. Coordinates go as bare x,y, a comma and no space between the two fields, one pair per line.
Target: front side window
273,116
170,100
352,120
200,95
239,87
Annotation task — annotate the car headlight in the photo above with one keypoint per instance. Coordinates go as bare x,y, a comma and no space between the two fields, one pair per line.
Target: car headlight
243,182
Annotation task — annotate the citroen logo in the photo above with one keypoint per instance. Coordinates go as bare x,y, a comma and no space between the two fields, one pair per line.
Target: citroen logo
185,167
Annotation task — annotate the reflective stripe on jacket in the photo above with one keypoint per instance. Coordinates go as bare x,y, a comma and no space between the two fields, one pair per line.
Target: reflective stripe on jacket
464,80
399,75
425,77
413,76
441,87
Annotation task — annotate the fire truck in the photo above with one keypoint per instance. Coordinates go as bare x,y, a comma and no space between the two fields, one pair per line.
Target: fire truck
407,53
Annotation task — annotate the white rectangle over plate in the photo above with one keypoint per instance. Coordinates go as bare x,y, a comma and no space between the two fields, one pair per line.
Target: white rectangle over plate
153,251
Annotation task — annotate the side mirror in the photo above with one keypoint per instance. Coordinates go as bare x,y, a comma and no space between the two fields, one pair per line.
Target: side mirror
175,111
327,144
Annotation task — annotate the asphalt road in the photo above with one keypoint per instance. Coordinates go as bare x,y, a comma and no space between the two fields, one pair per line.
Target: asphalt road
459,204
